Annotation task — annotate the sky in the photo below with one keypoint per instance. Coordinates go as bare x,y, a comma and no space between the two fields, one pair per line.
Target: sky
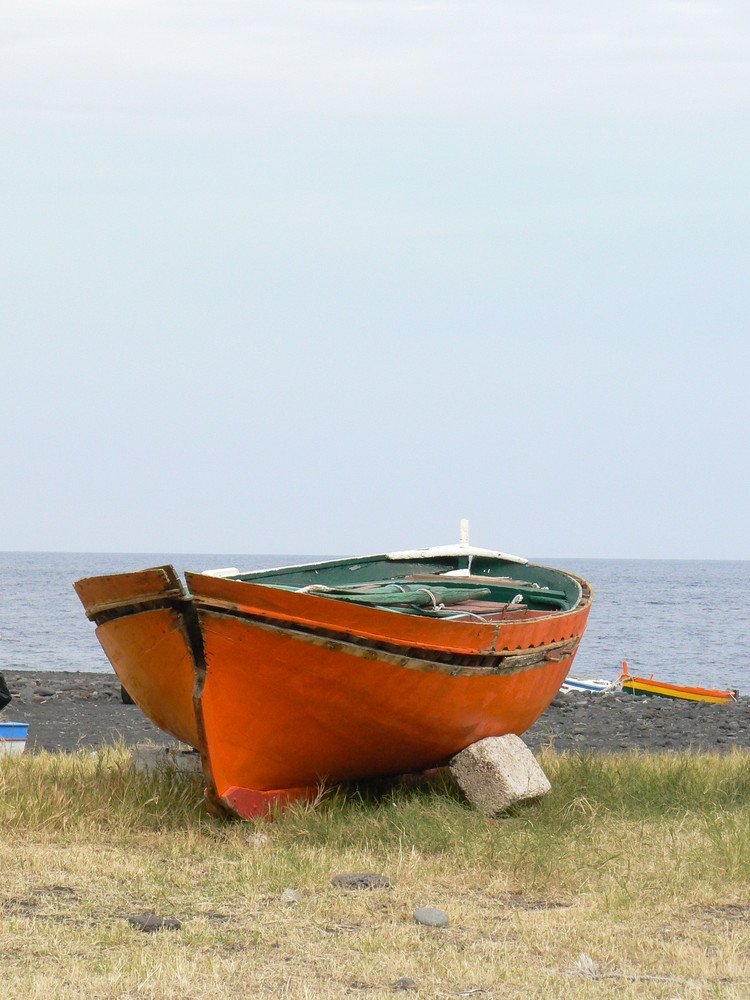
326,277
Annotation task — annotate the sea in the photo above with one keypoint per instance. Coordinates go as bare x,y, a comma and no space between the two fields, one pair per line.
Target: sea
687,622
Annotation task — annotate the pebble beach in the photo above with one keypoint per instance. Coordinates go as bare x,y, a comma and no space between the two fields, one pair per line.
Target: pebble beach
68,710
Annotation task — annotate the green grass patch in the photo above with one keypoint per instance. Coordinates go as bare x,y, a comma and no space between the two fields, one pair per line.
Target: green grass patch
641,862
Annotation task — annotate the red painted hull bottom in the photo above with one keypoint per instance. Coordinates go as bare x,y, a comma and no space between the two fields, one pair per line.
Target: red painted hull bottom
249,803
278,709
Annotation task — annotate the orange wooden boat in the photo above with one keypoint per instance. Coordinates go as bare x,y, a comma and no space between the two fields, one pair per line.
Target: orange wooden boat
648,687
288,678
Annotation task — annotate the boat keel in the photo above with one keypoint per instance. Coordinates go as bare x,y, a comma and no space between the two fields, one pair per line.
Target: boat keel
249,803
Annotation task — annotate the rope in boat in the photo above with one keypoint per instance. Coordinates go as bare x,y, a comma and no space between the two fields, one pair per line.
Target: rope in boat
435,605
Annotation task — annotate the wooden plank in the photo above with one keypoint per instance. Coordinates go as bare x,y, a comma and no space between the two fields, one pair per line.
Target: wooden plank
103,593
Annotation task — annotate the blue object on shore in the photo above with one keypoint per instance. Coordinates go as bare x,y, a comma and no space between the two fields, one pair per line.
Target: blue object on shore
13,737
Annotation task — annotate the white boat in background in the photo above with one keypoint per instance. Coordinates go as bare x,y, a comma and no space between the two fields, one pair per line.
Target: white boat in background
590,685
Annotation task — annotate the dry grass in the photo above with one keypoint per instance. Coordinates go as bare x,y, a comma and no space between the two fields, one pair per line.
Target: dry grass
641,863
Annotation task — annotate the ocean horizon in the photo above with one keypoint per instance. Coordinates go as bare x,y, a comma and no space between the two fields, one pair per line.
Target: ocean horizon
683,620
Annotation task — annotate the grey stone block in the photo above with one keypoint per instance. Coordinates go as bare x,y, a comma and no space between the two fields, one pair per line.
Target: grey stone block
498,772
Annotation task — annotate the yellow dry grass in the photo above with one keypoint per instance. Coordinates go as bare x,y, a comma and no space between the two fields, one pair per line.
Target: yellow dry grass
639,863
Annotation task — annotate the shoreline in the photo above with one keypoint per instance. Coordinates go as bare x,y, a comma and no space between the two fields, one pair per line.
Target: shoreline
70,710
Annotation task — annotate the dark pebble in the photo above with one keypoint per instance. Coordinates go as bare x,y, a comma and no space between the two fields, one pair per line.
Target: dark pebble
149,923
363,880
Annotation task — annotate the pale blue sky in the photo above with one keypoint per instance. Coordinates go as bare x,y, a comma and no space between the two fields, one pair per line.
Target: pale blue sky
326,277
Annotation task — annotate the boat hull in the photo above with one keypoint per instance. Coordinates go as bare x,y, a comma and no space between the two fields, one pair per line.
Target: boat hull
342,712
650,688
283,692
656,689
589,685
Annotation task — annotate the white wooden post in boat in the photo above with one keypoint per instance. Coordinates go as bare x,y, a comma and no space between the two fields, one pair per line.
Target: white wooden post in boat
464,532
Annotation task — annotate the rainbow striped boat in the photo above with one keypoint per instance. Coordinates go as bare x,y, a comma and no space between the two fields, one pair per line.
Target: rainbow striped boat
650,688
13,737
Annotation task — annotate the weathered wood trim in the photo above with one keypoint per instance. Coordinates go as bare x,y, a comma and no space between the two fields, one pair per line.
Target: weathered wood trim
126,609
503,662
105,595
194,634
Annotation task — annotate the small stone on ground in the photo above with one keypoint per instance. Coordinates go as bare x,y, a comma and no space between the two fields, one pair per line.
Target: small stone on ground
363,880
149,923
431,917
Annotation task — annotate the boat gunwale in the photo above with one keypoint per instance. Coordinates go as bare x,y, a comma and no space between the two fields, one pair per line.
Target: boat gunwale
374,616
444,660
500,634
493,663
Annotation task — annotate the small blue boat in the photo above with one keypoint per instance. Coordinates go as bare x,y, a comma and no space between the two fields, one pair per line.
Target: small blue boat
13,737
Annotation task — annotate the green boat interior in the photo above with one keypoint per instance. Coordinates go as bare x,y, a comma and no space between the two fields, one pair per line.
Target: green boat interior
454,587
